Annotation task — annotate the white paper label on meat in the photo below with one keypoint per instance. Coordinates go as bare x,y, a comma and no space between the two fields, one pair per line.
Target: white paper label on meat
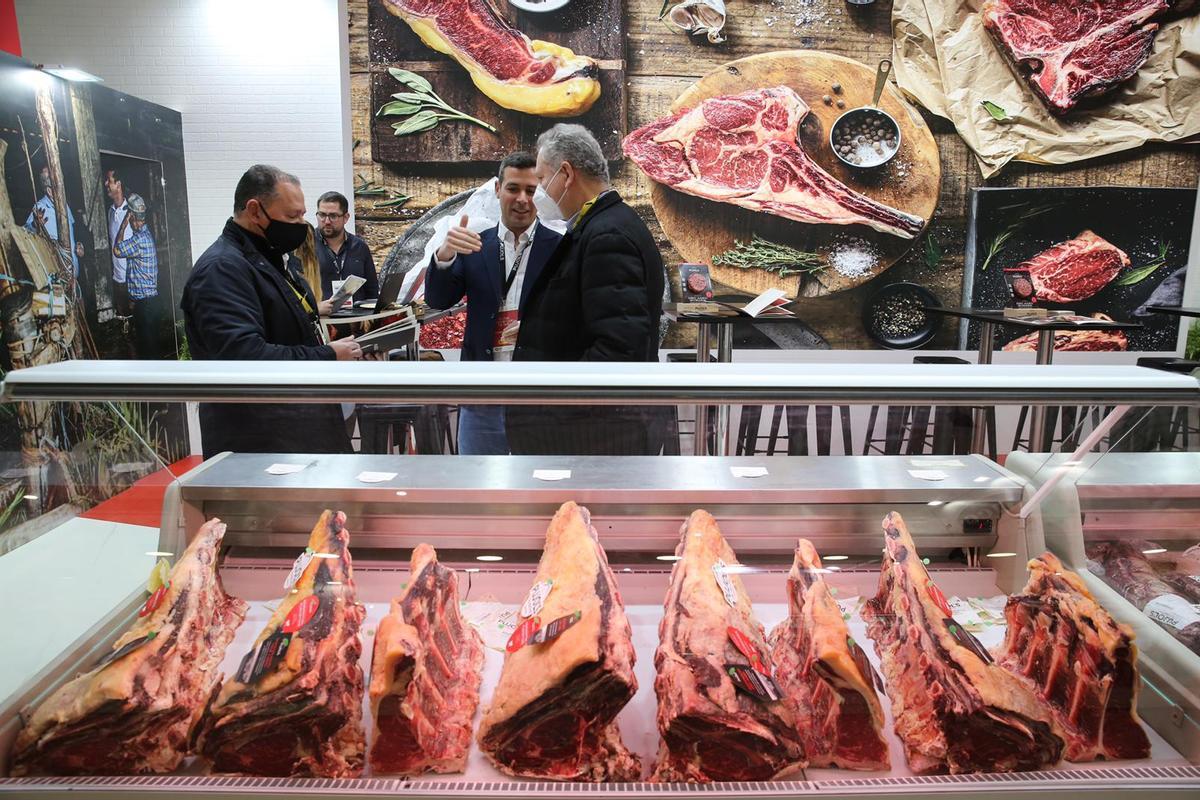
720,572
1173,611
536,598
494,621
298,568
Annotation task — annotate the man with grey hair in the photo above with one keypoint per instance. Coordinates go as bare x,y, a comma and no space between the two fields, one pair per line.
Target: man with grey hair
599,298
242,302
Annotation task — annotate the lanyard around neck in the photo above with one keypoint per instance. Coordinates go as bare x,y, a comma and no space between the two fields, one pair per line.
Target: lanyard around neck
511,273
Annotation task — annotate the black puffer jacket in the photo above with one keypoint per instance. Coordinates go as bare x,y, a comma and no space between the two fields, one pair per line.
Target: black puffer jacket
599,298
238,306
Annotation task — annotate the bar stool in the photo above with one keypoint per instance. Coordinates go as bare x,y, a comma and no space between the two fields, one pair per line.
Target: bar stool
909,425
797,430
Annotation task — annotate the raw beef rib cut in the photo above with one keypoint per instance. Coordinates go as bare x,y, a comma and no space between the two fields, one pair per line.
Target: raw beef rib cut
1124,567
742,149
825,675
295,706
955,709
711,730
1073,50
1078,660
553,714
136,711
531,76
424,675
1075,269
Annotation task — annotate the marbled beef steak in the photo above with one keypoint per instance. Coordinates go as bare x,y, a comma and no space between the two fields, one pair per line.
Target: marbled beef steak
742,149
1075,269
1073,50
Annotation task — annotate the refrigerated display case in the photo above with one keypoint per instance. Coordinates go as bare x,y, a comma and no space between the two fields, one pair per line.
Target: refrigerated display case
975,523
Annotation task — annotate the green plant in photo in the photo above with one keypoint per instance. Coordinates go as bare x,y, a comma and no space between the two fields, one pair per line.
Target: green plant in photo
759,253
422,106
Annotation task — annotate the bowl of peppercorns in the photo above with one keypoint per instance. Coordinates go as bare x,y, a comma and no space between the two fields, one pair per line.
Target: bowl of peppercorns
895,316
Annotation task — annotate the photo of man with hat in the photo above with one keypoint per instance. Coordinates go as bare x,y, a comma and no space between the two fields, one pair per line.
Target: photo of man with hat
141,276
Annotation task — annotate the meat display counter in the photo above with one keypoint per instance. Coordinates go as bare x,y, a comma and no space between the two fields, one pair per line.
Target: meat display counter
504,524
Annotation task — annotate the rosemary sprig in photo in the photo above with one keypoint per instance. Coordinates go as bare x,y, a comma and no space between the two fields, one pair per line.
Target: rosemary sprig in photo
759,253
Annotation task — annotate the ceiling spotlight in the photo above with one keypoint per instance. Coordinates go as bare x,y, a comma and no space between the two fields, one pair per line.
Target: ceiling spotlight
667,558
836,558
1155,550
489,558
1001,555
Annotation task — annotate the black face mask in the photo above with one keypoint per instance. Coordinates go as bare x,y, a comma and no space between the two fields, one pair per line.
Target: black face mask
285,236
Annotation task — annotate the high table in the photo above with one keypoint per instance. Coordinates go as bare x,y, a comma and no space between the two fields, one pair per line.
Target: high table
722,326
1045,328
1178,311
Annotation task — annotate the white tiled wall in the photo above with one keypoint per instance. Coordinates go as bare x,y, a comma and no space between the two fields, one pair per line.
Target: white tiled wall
255,80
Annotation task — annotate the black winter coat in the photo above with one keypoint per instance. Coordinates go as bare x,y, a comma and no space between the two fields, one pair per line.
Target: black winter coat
599,298
238,306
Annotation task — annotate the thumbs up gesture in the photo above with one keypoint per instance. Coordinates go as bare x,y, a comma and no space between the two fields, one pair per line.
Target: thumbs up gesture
459,241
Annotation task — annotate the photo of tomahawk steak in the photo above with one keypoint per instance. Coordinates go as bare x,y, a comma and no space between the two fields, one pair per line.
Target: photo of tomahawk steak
516,72
954,709
742,149
1080,661
825,674
135,712
1070,51
712,727
553,713
425,675
1075,269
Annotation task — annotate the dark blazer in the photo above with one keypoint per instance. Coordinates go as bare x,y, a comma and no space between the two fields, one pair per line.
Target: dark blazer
598,299
477,275
238,306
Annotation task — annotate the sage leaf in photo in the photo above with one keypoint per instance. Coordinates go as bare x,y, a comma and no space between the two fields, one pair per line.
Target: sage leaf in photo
997,112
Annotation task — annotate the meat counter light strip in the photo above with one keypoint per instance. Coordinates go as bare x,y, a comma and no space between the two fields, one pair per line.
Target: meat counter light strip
295,706
955,709
742,149
425,675
825,675
136,710
535,77
553,714
711,729
1078,659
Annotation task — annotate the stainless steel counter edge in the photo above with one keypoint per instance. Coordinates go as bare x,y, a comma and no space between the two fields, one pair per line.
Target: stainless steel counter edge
579,383
633,479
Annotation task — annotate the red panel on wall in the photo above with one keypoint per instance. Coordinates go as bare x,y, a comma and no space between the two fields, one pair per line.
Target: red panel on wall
10,37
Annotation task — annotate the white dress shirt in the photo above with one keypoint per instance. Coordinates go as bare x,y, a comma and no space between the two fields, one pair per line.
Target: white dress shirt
116,215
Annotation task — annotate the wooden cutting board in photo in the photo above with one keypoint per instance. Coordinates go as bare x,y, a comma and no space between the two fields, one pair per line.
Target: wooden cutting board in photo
595,29
846,255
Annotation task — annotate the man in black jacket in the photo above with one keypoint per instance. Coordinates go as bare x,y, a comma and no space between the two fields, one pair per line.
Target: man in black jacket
599,298
242,303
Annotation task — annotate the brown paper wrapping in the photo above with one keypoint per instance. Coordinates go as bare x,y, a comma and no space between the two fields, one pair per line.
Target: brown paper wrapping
947,62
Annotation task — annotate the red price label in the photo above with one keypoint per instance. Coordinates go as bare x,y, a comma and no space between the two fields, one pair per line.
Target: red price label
524,632
938,598
154,600
300,614
746,647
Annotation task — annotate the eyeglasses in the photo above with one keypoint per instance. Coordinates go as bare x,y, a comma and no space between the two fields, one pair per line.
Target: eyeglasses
328,216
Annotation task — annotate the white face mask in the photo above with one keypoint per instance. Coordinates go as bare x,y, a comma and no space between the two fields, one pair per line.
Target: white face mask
547,207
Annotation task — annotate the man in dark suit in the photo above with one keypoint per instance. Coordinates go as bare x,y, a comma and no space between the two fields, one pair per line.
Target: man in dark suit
495,270
598,299
241,302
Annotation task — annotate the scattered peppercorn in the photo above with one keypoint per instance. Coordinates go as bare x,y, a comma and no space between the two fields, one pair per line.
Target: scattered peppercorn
899,316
